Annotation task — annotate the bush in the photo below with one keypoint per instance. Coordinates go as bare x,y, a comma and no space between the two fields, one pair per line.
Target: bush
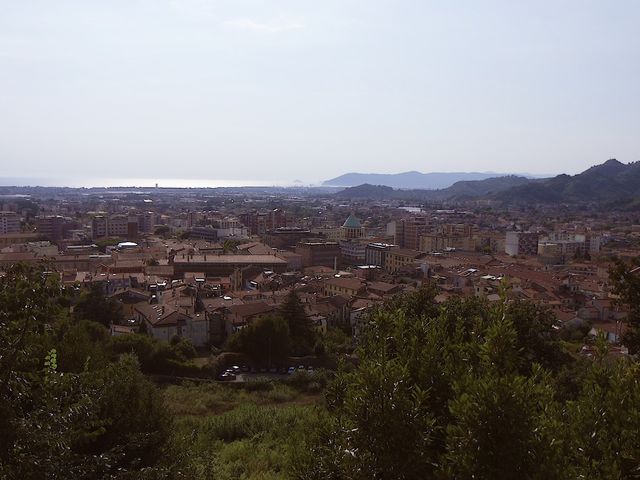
158,357
258,384
304,381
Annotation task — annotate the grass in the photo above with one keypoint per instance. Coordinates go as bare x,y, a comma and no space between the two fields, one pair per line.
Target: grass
213,399
223,432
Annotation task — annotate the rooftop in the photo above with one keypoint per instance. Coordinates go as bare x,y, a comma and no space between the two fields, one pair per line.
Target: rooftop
352,222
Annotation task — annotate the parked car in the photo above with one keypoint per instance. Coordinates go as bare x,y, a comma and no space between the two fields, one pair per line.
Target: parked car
290,370
227,376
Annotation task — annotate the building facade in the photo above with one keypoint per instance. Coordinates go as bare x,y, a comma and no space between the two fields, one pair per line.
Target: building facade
9,223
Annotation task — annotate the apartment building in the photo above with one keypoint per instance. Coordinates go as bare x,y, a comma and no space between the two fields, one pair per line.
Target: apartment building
521,243
407,231
115,226
50,227
401,257
259,223
376,253
326,254
9,223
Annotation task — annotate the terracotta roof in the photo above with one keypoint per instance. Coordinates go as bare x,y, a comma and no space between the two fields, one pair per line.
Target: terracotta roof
350,283
248,259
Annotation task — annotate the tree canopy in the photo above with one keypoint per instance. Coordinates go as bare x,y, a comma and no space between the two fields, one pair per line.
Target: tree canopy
469,389
67,408
265,341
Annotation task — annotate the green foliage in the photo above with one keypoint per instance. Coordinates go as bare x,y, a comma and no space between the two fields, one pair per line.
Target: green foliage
162,230
133,420
103,243
303,335
158,357
266,341
214,398
61,414
183,347
500,428
252,442
461,390
337,341
603,423
417,304
626,284
94,306
472,390
304,381
229,246
83,346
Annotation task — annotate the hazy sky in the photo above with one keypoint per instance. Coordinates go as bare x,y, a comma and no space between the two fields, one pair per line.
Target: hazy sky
274,91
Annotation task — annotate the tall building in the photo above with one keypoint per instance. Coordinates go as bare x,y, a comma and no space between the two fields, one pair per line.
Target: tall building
9,223
115,226
521,243
319,253
353,251
259,223
285,237
376,253
352,228
407,232
50,227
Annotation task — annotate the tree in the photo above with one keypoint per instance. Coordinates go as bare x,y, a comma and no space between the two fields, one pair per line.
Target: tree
162,230
625,280
419,303
92,421
229,246
93,305
444,391
83,346
133,425
602,424
265,341
303,335
500,426
107,242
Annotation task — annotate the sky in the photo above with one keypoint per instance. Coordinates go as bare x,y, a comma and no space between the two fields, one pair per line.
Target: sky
205,92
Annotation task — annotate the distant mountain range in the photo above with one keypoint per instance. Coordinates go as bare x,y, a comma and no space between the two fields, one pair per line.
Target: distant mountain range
612,182
458,191
409,180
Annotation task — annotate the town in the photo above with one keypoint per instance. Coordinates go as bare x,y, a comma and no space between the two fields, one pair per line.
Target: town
202,264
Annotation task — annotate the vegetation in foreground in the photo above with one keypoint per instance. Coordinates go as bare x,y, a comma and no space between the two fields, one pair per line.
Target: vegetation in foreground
255,430
461,390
